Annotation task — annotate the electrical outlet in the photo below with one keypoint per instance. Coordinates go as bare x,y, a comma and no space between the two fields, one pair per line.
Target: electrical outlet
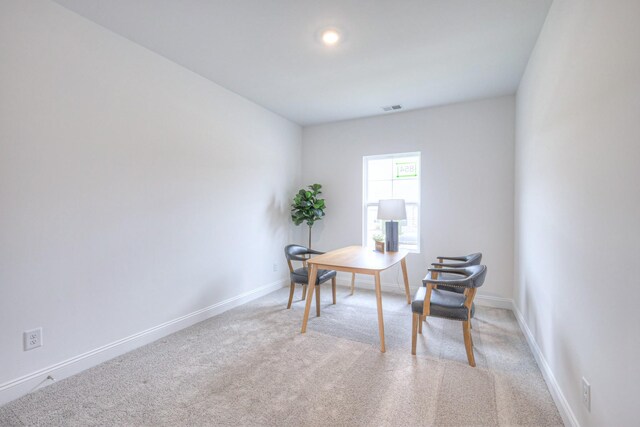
586,394
32,339
275,267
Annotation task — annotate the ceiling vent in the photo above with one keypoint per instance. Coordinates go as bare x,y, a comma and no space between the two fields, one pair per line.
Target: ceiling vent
392,108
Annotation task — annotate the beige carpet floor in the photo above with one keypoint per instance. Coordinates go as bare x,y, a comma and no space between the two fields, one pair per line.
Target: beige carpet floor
251,366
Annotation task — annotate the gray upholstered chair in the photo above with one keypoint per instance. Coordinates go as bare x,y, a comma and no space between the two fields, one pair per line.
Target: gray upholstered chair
457,262
430,301
301,275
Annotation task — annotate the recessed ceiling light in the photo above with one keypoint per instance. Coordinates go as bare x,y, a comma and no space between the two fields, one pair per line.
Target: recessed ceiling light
330,37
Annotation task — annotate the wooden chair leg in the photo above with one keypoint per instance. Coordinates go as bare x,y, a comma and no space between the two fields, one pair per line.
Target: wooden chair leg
420,319
304,292
333,289
468,344
293,288
318,300
414,332
353,283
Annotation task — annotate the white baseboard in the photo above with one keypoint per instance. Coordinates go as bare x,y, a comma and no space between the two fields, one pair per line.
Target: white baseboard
494,302
568,417
18,387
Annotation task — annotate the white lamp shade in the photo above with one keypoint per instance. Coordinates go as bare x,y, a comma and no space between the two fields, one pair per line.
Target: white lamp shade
392,210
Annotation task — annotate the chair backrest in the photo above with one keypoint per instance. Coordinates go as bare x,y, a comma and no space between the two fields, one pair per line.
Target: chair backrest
470,277
473,259
294,252
479,275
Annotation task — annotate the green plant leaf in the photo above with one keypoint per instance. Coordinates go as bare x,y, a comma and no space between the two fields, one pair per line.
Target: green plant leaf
307,207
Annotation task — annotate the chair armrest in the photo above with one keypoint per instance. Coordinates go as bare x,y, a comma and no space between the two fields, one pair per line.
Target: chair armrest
462,282
452,258
459,271
449,265
435,273
314,252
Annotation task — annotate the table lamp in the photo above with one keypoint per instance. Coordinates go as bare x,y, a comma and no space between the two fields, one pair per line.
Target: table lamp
391,210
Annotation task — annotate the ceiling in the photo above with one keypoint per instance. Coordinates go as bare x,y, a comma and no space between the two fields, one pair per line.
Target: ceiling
417,53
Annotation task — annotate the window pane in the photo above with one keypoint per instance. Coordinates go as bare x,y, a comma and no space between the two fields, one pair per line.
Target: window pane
405,167
379,190
407,189
408,232
380,169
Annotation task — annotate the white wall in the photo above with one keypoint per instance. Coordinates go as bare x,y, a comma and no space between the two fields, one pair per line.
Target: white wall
467,182
578,204
132,191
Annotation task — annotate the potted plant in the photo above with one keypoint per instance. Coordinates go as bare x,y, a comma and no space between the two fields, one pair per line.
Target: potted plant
379,241
307,207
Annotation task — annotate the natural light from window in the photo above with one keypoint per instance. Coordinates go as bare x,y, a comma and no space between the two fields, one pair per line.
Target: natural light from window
392,176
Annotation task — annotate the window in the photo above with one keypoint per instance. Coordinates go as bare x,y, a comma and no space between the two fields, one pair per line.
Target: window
393,176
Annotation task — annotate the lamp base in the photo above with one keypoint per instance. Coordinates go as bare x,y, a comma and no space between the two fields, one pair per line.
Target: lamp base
391,228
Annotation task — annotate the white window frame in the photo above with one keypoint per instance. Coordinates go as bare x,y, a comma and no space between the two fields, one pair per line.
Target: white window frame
366,204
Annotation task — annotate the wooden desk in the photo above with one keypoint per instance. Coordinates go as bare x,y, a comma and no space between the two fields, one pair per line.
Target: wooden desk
361,260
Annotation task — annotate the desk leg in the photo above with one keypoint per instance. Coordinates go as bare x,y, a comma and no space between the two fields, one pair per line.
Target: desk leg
403,263
313,273
380,319
353,282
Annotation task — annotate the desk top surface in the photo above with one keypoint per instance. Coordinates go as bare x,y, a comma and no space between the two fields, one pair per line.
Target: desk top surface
358,257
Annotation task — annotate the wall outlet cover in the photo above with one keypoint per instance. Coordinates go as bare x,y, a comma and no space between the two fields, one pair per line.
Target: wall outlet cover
32,339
